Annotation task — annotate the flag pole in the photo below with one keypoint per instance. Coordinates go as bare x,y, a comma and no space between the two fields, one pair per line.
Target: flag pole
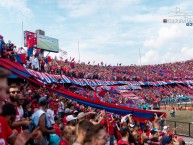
78,51
140,56
48,54
22,33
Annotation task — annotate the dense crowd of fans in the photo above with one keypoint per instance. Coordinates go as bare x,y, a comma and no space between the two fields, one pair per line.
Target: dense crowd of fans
142,99
161,72
33,115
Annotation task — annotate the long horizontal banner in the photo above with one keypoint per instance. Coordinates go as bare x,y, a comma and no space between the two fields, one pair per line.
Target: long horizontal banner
139,115
50,78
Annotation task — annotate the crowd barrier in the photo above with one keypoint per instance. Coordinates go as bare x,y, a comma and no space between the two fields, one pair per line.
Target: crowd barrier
181,128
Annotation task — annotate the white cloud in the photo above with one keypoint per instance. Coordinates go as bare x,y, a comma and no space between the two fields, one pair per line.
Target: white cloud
122,28
165,35
169,44
154,56
150,57
19,6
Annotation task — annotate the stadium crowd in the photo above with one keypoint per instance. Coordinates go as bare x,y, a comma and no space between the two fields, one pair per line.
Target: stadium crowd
33,115
160,72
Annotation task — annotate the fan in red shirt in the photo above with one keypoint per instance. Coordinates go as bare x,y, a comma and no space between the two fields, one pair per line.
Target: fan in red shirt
5,131
110,127
8,116
56,126
102,121
125,135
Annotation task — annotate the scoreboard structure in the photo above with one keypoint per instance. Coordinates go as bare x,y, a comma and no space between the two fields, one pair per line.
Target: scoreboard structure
41,41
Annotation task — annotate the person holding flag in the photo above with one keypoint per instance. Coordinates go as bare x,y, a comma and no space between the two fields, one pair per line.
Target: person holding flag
21,58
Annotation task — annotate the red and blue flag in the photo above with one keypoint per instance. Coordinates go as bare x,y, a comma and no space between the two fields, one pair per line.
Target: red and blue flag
21,58
37,53
47,59
31,39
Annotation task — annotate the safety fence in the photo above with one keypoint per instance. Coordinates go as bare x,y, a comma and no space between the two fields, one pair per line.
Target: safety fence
181,128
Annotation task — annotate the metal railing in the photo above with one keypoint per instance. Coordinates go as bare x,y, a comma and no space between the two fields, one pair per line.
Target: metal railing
181,128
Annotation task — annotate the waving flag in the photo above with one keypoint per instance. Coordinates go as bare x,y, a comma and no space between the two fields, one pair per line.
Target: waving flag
31,42
30,47
47,59
37,53
21,58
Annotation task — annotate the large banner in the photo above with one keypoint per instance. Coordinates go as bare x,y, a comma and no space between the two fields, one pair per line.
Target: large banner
139,115
49,78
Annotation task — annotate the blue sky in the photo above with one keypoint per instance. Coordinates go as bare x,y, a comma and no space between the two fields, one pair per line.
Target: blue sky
111,31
